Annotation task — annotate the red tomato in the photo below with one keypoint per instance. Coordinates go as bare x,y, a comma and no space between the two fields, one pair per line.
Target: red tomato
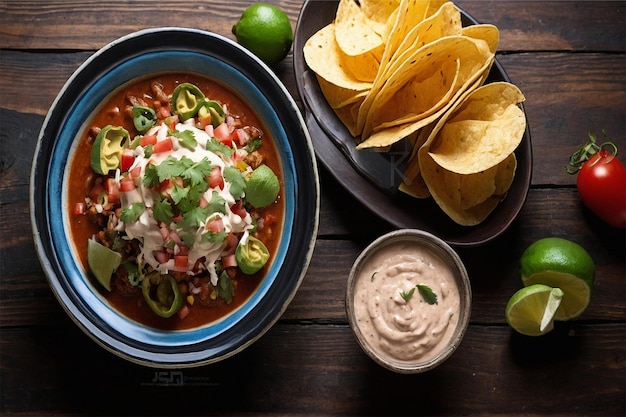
127,184
601,185
79,208
180,261
148,140
216,180
113,190
215,226
127,160
164,145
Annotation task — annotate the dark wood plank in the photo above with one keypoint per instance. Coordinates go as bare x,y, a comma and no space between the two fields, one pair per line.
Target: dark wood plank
320,369
88,25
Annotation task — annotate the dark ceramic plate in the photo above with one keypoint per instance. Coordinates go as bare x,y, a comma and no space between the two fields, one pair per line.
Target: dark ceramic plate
370,176
146,53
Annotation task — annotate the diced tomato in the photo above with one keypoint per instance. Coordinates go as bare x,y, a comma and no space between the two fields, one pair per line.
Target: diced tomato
148,140
215,179
203,202
229,261
231,244
183,312
113,190
79,208
180,261
135,172
164,145
269,219
215,226
165,185
128,159
127,184
239,209
222,133
241,137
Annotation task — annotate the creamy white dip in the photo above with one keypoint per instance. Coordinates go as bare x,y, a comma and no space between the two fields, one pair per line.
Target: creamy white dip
402,329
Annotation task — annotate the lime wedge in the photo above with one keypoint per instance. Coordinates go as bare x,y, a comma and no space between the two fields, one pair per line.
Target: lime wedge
103,262
531,310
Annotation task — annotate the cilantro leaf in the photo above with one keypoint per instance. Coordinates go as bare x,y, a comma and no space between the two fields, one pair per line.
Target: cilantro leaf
197,172
188,238
150,176
217,203
194,218
427,294
162,211
173,167
186,138
178,193
407,295
214,237
236,180
215,146
131,213
225,287
253,144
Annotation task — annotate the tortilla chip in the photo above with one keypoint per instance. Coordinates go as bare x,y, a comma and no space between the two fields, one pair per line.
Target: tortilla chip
434,61
378,13
353,33
482,131
324,57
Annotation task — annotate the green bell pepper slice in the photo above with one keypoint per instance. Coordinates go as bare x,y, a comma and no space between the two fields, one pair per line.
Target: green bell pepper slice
143,118
107,149
208,107
252,256
162,294
185,100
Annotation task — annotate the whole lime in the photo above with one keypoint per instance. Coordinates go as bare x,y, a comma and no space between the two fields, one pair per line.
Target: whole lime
265,30
560,263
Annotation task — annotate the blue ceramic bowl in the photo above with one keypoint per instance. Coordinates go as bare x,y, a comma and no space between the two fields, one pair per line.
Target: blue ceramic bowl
137,55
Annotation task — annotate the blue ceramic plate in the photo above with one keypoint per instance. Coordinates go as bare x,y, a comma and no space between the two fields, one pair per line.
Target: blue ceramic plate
371,177
138,55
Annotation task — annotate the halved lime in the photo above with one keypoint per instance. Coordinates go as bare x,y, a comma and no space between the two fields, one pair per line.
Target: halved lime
563,264
531,310
103,262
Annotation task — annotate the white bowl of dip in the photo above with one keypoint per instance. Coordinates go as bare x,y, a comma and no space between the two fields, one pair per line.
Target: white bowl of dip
408,301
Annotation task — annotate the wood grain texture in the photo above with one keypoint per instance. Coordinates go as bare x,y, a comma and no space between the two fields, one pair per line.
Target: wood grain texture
568,58
320,369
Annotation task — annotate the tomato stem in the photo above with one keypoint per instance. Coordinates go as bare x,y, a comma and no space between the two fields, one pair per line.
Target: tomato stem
578,158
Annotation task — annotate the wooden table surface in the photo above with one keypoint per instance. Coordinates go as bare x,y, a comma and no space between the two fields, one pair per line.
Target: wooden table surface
568,57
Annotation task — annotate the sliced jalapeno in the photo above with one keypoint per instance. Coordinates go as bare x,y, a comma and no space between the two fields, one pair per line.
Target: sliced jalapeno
185,100
252,256
143,118
162,294
108,147
211,108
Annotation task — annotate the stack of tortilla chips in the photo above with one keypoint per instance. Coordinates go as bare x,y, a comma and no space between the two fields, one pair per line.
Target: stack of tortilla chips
408,70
